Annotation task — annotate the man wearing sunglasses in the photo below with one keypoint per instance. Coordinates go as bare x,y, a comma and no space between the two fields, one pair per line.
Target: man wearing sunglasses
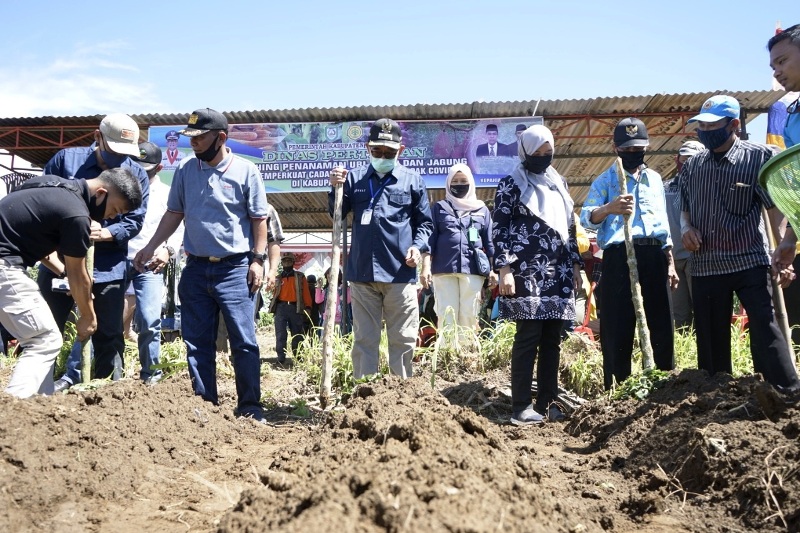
391,226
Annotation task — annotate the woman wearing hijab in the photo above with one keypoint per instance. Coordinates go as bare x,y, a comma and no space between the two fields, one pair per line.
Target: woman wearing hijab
537,256
461,223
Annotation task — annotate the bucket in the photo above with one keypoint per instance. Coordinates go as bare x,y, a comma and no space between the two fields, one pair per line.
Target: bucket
781,177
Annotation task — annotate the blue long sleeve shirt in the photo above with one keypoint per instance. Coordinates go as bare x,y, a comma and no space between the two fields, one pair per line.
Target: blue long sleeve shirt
649,218
110,256
400,219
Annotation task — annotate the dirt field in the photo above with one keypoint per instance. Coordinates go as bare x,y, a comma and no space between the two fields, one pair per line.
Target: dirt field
698,455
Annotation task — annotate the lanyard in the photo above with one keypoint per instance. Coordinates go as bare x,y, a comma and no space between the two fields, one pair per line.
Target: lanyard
375,194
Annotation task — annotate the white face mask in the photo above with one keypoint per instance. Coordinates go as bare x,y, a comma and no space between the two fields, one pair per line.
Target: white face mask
381,165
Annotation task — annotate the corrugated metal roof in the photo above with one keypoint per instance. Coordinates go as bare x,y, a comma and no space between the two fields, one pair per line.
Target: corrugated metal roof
582,130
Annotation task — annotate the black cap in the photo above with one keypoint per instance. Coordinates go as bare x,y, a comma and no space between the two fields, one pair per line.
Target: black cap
630,132
521,127
149,155
385,132
491,127
203,120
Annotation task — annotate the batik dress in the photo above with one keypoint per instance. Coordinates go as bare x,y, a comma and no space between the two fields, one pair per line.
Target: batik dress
539,257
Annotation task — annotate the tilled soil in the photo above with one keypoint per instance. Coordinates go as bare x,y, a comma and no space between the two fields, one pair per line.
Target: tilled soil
699,454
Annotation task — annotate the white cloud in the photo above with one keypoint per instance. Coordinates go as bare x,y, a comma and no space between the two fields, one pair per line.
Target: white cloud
85,81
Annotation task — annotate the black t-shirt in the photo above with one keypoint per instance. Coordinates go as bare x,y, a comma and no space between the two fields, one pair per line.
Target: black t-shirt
36,220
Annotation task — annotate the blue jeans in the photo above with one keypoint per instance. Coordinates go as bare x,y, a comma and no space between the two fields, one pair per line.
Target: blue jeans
149,290
205,290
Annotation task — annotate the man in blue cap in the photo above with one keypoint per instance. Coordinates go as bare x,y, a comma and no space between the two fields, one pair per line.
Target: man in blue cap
721,225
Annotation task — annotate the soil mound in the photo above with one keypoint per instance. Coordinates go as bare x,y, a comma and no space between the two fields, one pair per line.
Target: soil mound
728,448
401,457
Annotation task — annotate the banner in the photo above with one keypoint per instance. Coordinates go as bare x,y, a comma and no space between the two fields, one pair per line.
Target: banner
776,119
298,157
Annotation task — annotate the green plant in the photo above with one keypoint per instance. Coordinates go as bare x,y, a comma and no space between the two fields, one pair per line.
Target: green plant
640,385
265,318
70,332
300,407
581,366
172,358
496,344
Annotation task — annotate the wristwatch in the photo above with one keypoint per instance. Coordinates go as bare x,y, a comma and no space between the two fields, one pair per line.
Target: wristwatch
260,256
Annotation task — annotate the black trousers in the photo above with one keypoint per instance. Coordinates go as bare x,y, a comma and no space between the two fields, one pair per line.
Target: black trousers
713,302
109,301
617,317
542,337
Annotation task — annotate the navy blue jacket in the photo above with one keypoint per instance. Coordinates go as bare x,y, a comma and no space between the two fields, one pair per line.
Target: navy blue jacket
109,257
401,218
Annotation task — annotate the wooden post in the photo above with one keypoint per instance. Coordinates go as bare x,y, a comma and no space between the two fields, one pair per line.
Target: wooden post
648,362
330,302
777,293
86,347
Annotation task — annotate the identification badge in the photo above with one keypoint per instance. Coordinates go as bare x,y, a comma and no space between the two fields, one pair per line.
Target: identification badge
366,217
472,234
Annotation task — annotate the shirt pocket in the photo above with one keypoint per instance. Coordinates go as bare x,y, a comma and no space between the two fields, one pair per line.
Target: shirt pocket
739,198
399,204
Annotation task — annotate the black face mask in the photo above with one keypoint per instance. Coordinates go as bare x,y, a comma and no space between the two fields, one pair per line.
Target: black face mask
97,211
459,190
211,152
537,163
631,160
713,139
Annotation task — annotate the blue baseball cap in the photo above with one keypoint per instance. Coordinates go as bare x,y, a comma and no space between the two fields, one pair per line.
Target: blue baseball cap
716,108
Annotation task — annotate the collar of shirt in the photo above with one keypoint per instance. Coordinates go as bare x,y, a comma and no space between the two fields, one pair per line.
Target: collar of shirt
733,155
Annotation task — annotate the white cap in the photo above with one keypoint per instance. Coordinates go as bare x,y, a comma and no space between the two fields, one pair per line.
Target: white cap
121,134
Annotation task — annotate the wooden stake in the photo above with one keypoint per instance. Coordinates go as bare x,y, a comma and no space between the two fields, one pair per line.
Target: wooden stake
86,347
331,299
777,293
648,361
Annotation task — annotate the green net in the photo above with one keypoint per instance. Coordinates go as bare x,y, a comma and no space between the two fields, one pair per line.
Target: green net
781,177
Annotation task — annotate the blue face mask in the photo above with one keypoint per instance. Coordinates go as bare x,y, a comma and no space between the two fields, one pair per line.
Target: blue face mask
381,165
113,160
713,139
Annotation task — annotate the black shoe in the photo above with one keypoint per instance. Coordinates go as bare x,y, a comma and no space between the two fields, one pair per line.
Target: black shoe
526,417
61,385
257,416
554,413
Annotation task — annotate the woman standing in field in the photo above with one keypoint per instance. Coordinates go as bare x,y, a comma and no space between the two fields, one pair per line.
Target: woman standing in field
461,232
537,256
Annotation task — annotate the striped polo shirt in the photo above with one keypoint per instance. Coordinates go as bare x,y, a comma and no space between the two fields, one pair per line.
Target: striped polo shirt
724,201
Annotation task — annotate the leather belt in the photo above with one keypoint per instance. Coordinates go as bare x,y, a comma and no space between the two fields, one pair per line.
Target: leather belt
647,241
213,259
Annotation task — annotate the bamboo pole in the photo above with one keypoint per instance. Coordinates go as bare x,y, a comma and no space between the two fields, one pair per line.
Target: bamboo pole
636,290
86,347
777,293
330,301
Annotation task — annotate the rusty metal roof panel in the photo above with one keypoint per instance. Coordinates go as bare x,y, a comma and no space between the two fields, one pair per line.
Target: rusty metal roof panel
582,130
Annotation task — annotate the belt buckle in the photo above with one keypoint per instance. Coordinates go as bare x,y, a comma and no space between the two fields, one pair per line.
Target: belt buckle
213,259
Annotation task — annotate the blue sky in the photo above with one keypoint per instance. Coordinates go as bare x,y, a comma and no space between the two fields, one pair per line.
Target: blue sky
164,57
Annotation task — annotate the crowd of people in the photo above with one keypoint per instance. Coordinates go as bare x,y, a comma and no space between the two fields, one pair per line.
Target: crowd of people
698,239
